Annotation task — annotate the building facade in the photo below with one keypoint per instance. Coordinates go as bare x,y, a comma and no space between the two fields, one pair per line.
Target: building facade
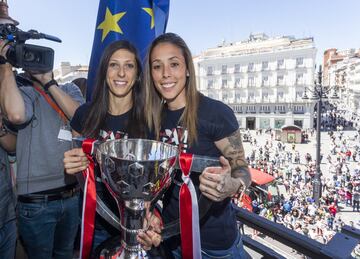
262,79
67,73
343,71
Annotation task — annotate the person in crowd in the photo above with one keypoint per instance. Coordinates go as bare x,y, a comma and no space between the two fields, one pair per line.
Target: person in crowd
81,83
115,111
7,197
356,199
48,213
180,115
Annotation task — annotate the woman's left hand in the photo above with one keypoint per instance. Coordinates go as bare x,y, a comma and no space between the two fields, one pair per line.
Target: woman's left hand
217,184
151,236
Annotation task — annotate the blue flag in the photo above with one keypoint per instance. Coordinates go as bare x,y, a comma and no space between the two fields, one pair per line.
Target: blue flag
138,21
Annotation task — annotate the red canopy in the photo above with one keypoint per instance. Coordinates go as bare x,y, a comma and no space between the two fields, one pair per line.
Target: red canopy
258,177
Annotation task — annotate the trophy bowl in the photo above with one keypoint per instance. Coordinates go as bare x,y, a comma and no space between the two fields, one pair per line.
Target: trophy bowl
136,173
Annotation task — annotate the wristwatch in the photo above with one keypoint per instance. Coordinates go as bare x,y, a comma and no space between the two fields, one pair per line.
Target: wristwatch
3,60
48,84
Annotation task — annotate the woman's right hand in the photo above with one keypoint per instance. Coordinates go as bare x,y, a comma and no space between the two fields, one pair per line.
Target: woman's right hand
75,161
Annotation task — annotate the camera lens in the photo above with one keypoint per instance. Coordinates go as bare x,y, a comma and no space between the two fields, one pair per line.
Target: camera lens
31,57
11,28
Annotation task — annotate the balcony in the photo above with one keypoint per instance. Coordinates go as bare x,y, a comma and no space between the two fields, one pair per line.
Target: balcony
340,246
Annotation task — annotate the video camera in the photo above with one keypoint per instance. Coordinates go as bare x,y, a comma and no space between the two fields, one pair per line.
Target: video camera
29,57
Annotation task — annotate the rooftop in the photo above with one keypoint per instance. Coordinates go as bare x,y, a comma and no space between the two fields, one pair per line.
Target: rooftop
258,43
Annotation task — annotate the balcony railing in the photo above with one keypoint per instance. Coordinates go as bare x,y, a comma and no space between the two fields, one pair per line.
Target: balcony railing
340,246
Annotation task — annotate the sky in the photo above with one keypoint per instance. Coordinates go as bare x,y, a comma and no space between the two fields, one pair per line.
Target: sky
202,23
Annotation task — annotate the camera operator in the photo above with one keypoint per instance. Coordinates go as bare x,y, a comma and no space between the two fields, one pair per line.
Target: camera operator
48,206
7,198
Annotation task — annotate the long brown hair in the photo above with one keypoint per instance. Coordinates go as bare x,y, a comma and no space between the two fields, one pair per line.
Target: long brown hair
99,105
153,98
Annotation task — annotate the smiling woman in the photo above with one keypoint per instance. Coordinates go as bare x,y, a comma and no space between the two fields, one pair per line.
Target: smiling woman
110,114
182,116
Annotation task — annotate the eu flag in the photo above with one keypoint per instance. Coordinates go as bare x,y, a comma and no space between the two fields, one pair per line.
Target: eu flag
138,21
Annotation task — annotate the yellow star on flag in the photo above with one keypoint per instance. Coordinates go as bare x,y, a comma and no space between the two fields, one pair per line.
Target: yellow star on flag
110,23
151,13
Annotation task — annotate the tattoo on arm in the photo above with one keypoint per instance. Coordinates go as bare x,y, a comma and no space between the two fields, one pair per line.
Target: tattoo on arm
233,150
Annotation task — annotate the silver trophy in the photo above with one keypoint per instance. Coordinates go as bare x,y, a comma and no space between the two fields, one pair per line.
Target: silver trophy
136,173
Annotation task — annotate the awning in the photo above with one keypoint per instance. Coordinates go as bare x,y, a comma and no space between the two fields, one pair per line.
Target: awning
258,177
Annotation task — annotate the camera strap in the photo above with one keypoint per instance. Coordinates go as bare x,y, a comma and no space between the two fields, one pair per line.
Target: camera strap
50,101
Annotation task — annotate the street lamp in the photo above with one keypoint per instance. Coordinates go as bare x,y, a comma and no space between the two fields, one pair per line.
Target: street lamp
318,93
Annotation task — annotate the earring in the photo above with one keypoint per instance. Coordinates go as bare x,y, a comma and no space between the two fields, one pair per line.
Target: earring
163,101
187,74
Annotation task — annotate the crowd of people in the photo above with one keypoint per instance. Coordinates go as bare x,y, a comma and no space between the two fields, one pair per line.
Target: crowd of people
295,208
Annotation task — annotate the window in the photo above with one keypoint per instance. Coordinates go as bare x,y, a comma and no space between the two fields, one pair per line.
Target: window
280,108
238,97
298,123
280,80
224,69
265,65
279,123
265,81
250,67
265,96
225,97
264,123
210,84
251,96
224,83
299,94
237,82
299,79
280,95
298,109
237,108
265,109
209,71
237,68
299,62
251,81
251,109
280,63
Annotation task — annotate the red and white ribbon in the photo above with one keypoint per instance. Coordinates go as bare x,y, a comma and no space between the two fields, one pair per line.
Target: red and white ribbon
89,202
189,212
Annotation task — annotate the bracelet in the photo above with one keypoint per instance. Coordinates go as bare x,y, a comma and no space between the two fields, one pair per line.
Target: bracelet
48,84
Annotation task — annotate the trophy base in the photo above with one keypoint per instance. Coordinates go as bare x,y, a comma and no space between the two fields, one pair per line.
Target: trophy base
120,253
112,249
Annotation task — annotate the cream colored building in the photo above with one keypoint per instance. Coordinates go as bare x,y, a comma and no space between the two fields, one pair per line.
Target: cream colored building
66,73
263,79
345,75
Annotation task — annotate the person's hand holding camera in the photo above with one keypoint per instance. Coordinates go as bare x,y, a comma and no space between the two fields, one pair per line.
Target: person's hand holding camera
4,46
43,78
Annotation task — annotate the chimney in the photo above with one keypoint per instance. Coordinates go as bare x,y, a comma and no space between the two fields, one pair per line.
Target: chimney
4,14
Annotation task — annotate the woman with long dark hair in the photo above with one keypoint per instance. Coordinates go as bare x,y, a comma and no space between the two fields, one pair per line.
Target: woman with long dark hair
115,111
180,115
